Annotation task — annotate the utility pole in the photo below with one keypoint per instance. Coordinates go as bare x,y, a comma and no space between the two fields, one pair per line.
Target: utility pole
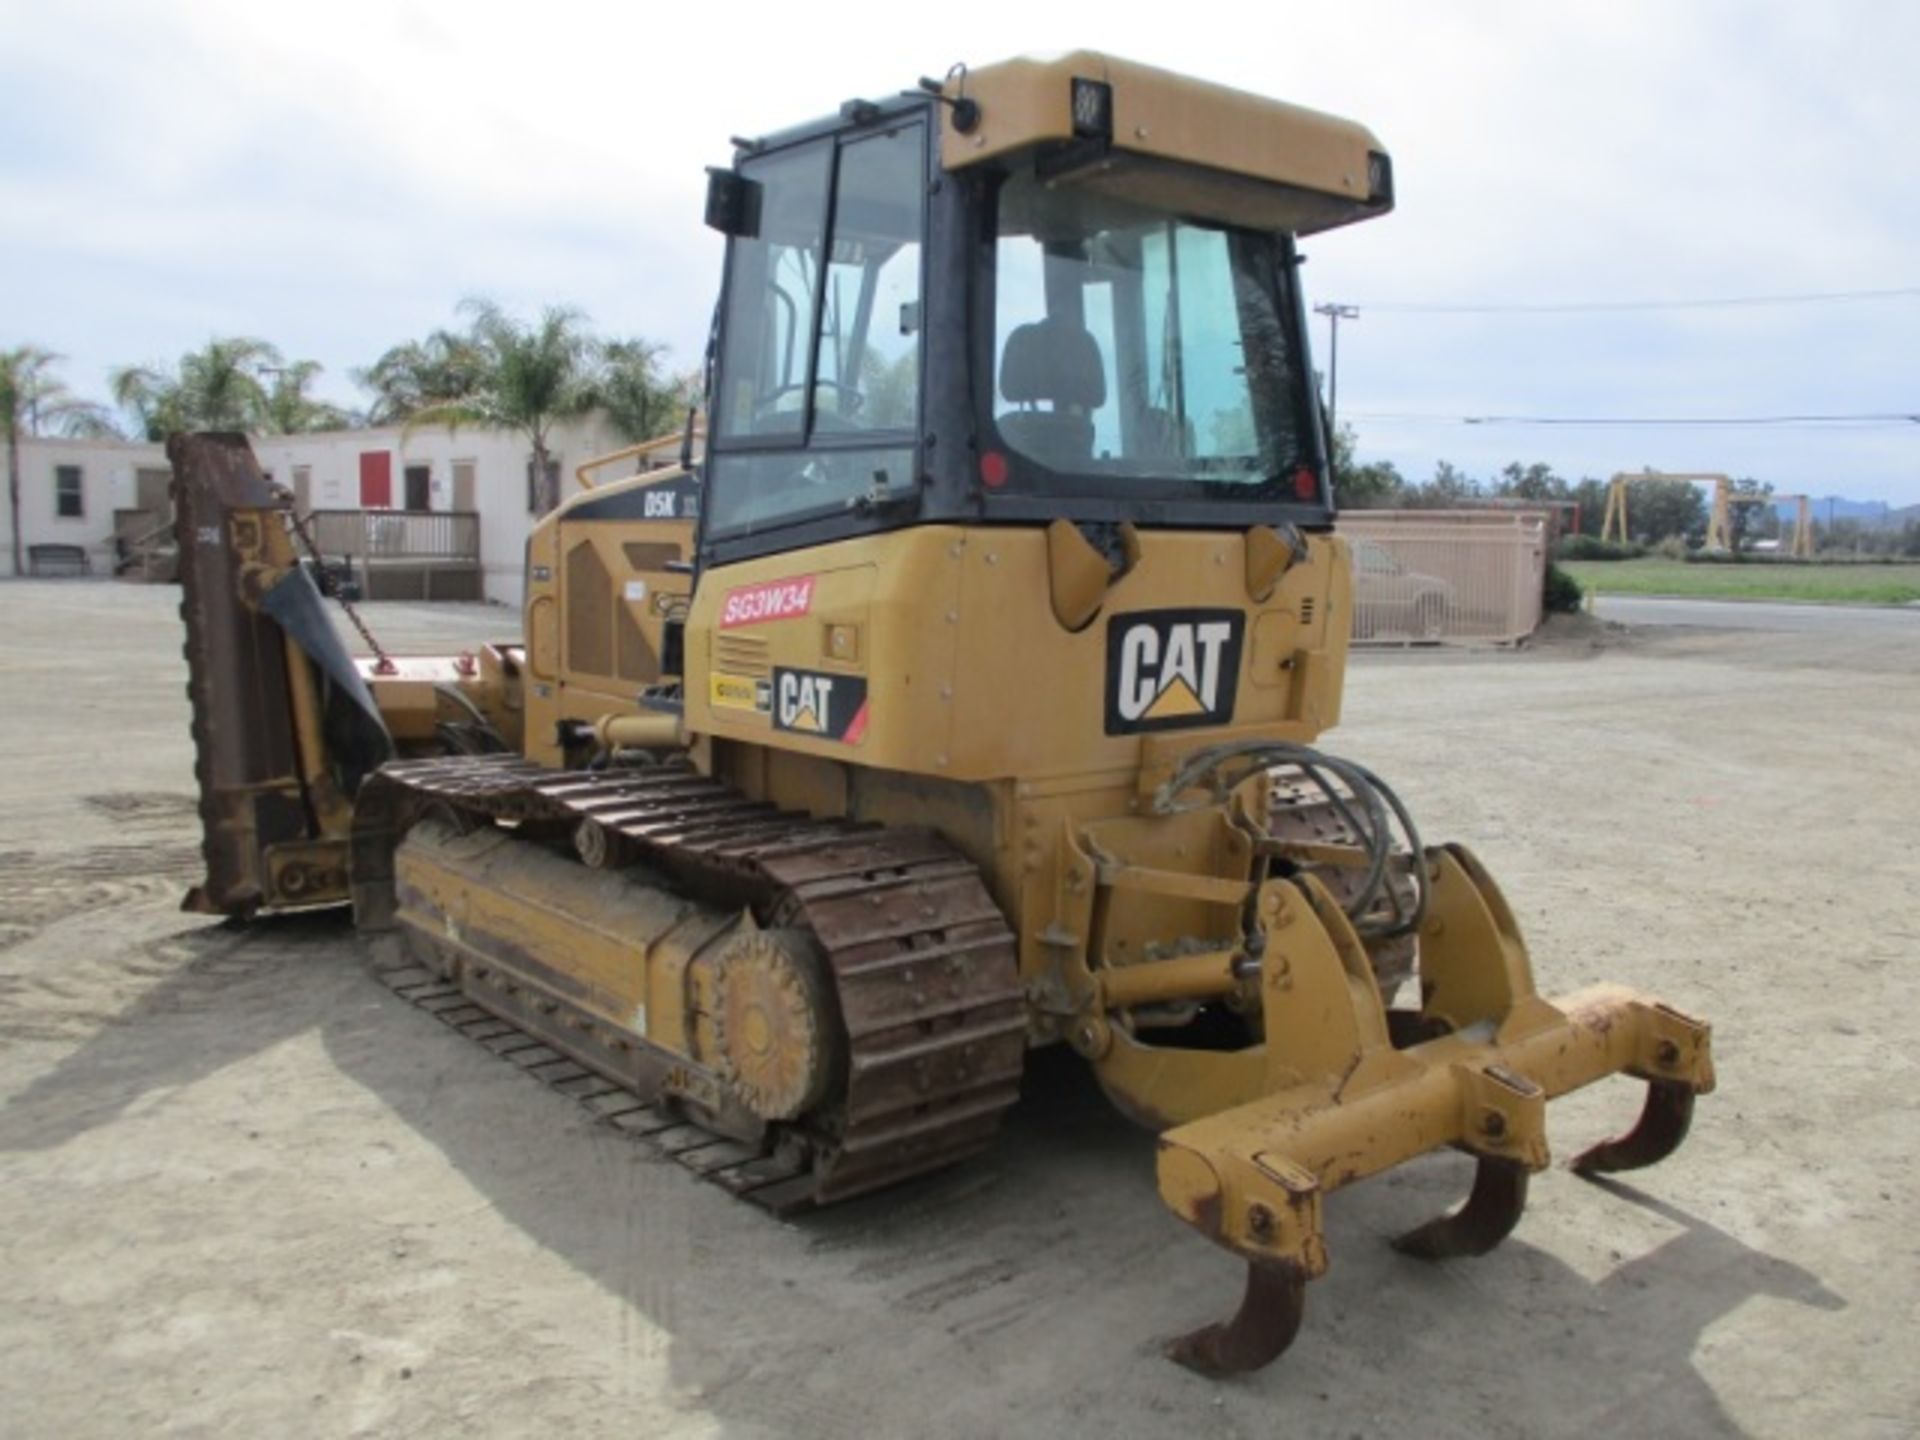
1335,314
277,373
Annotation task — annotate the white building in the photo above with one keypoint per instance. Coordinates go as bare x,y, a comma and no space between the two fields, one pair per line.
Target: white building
486,472
72,490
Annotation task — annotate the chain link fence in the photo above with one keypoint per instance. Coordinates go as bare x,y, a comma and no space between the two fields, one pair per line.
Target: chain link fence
1464,576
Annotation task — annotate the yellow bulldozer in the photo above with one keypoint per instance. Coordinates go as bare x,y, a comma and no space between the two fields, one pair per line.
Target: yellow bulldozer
956,693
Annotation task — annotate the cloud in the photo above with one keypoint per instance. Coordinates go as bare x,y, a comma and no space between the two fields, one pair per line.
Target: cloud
335,177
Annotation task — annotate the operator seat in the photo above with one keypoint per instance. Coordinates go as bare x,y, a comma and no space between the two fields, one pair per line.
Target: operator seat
1056,362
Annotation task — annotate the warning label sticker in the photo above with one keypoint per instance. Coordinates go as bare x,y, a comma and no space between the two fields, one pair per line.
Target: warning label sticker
739,692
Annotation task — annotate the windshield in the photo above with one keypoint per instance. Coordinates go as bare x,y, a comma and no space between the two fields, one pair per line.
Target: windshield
1132,343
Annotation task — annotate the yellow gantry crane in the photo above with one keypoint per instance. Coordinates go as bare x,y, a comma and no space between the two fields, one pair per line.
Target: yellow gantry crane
1614,525
1720,523
1800,547
1720,518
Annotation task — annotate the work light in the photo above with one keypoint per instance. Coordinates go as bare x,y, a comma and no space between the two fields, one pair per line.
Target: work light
1092,109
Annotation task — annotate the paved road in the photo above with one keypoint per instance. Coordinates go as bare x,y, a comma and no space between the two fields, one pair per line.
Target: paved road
1760,615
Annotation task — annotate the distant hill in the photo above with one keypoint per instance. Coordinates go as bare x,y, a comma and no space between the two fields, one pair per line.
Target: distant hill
1869,512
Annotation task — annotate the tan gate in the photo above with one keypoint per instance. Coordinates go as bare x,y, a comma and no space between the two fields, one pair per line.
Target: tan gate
1446,575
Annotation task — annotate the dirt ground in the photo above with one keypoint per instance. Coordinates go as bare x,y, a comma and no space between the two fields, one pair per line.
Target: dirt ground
244,1191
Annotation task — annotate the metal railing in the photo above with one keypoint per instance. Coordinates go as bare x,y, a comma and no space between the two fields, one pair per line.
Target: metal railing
377,535
659,453
144,547
1446,575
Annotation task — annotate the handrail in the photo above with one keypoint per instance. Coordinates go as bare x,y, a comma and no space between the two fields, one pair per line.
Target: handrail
634,452
399,534
161,531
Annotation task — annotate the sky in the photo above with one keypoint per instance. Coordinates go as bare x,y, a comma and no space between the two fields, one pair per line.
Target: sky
336,177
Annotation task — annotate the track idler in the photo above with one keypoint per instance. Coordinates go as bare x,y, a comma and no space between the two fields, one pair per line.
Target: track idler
1347,1103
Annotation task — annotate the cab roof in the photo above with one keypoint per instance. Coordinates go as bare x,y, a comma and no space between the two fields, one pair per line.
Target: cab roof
1156,115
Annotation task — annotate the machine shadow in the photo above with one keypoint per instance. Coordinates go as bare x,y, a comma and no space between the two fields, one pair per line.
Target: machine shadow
1054,1241
1612,1356
229,991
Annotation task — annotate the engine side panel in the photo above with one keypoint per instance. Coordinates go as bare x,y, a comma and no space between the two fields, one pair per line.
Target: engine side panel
936,651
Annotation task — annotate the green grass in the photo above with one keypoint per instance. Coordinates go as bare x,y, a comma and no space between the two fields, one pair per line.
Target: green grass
1835,583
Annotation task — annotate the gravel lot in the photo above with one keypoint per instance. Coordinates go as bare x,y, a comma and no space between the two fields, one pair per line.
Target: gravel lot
243,1191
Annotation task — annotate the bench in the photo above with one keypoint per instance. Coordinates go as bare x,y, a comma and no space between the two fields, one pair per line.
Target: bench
58,560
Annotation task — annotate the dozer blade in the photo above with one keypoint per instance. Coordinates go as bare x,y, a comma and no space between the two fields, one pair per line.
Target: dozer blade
1347,1103
283,728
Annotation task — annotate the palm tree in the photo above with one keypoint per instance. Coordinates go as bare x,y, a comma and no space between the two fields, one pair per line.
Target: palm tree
152,397
641,402
411,376
291,411
30,398
224,383
221,386
532,376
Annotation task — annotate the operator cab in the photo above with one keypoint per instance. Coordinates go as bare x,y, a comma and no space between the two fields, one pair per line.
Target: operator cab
1067,325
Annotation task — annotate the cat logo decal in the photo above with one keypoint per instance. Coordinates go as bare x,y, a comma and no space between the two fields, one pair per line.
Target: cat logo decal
1172,669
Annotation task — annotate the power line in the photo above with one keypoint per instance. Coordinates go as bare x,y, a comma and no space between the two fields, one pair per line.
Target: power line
1889,418
1869,419
1575,307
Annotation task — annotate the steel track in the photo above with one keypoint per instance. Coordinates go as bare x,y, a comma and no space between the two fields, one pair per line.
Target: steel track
921,960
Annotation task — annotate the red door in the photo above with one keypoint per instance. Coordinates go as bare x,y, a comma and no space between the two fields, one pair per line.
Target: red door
376,479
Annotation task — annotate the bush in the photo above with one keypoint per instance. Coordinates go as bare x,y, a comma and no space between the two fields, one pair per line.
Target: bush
1592,547
1674,547
1562,593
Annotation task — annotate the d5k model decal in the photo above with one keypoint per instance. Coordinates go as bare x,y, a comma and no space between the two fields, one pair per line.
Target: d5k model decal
832,707
1172,669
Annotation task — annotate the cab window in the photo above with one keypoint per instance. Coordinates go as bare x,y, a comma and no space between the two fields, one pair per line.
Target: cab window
867,372
819,375
770,298
1134,344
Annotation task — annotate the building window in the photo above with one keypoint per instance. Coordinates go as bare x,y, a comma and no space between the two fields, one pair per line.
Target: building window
69,500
